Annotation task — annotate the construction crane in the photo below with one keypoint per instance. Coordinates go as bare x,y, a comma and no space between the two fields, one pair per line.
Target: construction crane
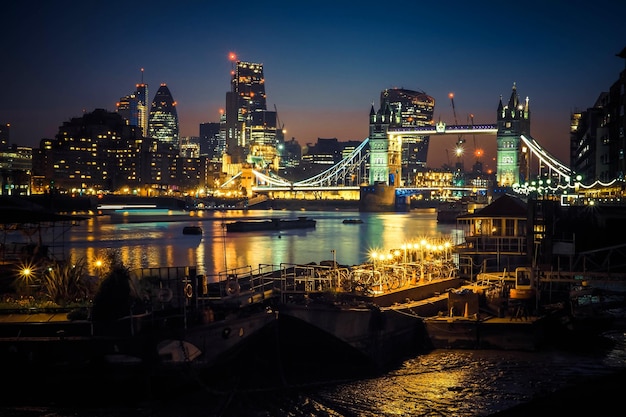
478,165
460,139
459,148
278,125
477,151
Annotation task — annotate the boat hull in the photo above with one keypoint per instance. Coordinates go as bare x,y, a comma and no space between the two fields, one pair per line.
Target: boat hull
273,224
380,336
192,230
489,333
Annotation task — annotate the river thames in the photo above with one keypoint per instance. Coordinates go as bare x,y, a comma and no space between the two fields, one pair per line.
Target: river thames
434,383
154,238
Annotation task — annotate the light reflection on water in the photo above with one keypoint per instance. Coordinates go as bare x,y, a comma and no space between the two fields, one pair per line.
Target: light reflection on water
154,241
440,383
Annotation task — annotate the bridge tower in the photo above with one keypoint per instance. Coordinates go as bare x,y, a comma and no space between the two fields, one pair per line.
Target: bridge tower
512,157
385,163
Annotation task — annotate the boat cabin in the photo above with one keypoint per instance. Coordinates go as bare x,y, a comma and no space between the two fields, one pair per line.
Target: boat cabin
495,237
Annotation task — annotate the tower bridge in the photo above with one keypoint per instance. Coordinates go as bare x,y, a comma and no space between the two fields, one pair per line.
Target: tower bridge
372,171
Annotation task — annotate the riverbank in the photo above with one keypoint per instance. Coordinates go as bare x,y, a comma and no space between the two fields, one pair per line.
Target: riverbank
600,396
84,204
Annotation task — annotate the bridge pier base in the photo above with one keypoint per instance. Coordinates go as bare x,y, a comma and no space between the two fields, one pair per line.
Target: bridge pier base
377,198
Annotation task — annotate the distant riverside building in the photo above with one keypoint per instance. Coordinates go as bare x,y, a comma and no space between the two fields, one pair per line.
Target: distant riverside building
16,164
324,152
328,151
598,135
101,152
410,108
134,108
512,156
251,132
97,151
616,124
589,135
163,119
190,147
5,130
291,154
212,143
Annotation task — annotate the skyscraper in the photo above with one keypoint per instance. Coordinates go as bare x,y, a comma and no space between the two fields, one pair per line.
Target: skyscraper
134,107
251,131
143,106
410,108
163,120
211,142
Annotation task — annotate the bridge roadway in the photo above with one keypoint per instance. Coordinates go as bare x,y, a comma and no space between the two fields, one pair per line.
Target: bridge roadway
399,190
441,129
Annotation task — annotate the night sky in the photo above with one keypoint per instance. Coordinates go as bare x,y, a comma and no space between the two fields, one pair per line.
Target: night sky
325,62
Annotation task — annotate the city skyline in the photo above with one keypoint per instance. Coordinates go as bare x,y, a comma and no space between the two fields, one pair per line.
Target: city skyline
324,67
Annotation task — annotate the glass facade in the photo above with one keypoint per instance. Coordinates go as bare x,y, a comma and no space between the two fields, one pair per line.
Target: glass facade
251,131
409,109
163,120
134,108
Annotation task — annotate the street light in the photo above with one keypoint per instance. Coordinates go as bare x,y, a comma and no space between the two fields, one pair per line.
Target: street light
99,265
335,267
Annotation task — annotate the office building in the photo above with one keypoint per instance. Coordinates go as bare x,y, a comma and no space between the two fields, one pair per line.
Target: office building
134,108
598,135
212,142
163,119
410,108
588,138
98,151
252,133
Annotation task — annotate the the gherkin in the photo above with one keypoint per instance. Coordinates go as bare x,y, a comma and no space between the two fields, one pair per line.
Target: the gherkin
163,120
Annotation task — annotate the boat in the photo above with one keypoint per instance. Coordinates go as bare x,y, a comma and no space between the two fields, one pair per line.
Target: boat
375,309
448,211
352,221
182,323
500,314
192,230
271,224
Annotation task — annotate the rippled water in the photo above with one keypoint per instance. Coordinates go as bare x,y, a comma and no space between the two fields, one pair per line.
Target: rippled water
437,383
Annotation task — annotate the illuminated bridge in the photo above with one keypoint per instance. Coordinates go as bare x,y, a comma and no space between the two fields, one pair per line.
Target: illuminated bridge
351,172
554,177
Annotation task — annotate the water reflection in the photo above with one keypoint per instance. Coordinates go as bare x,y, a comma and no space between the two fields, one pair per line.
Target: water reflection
157,240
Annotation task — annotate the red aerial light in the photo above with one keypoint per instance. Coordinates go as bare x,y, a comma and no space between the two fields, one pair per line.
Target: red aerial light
232,56
451,95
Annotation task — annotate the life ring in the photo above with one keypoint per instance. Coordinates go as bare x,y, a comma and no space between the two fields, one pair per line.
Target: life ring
188,290
232,288
164,295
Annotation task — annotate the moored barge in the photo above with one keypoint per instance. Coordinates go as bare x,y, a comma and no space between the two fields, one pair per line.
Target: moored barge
271,224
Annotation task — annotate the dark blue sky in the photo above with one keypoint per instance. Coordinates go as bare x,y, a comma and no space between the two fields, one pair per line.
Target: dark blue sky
325,62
